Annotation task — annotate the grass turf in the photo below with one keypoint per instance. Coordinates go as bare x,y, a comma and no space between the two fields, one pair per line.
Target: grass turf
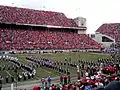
61,56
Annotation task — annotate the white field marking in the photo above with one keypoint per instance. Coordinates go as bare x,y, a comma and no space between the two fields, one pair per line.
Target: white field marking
10,75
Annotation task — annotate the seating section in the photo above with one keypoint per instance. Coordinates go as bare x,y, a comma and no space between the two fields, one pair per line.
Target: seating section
112,30
29,16
35,38
22,39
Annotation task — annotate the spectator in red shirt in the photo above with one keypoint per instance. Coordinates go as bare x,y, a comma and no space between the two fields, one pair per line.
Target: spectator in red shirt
61,80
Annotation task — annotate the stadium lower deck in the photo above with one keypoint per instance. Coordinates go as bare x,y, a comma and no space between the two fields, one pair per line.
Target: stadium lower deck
31,38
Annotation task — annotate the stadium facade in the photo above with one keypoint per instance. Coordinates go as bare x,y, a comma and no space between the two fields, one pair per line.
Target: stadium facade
107,34
28,29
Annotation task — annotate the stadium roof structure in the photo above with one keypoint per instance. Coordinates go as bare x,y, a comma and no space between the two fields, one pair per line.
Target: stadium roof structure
24,16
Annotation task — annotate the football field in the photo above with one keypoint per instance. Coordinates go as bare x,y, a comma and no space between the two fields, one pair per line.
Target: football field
60,57
44,71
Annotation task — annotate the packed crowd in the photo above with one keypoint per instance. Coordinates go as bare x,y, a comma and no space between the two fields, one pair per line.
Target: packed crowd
26,39
36,17
112,30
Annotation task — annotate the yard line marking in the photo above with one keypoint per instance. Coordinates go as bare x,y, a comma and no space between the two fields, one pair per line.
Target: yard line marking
10,75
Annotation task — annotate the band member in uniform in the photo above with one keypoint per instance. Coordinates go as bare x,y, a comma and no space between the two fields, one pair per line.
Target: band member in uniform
12,78
28,75
6,79
24,77
19,77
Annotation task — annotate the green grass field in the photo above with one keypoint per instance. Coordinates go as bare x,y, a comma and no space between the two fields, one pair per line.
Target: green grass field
45,72
61,56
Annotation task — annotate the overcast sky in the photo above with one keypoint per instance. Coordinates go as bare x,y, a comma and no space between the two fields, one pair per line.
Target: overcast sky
96,12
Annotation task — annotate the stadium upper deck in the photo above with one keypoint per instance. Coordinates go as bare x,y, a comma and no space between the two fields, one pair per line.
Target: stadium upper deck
110,29
34,17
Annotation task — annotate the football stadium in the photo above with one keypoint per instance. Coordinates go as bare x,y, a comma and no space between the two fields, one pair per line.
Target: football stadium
46,50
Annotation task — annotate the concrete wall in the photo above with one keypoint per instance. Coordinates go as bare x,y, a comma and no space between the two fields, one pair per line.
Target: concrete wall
81,31
98,38
80,21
